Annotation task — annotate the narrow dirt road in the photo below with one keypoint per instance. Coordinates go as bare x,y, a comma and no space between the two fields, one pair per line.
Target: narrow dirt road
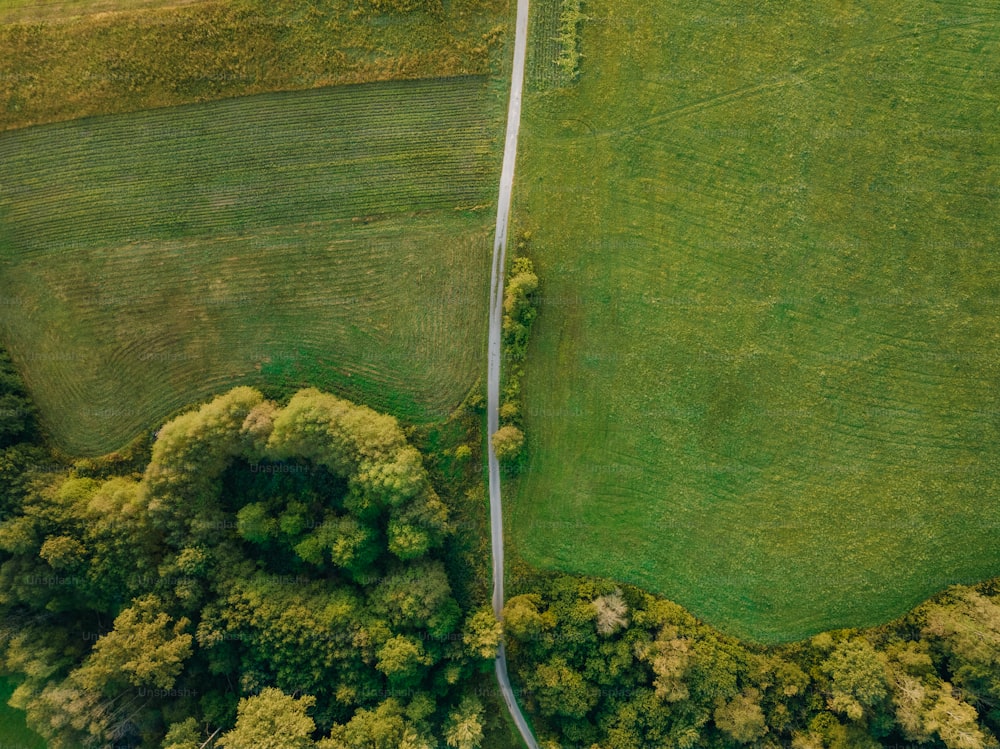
493,375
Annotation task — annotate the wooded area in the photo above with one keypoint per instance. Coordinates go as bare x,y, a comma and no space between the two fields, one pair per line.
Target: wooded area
613,667
274,571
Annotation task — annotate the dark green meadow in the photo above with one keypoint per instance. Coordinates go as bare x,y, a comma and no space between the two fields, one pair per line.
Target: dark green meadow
763,380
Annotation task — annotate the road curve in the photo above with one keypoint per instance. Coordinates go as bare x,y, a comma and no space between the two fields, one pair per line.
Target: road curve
493,374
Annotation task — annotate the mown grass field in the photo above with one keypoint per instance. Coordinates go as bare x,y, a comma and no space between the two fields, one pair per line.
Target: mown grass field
763,380
337,237
64,59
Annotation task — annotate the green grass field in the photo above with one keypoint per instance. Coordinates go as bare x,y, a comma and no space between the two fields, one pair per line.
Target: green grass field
337,237
763,381
65,59
33,11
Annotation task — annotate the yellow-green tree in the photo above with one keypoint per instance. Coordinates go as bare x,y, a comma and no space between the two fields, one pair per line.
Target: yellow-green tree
507,442
271,720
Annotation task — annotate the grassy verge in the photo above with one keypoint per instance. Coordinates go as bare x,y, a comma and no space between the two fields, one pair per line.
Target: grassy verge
334,237
135,55
762,377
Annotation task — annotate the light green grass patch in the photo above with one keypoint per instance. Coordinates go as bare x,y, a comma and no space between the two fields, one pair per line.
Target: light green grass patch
333,237
763,378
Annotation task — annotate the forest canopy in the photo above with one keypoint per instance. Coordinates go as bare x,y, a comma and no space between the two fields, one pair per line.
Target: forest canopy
275,572
614,667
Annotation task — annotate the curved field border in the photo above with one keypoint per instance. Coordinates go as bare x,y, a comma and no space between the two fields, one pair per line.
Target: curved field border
331,238
763,373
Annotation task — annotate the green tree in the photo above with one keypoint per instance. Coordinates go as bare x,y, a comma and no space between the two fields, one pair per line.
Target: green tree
521,617
255,524
183,735
17,464
857,678
418,597
670,658
299,634
955,722
189,454
384,727
787,677
965,627
70,716
464,727
507,442
343,541
742,717
826,732
271,720
909,697
63,552
17,412
419,525
402,659
124,550
561,690
518,310
350,440
482,634
145,648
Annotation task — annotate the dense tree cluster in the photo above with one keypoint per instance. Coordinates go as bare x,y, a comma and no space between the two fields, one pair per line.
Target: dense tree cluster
518,307
519,311
275,578
17,414
20,447
607,668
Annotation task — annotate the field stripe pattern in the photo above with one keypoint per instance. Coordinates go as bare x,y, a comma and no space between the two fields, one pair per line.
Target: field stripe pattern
330,237
765,360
